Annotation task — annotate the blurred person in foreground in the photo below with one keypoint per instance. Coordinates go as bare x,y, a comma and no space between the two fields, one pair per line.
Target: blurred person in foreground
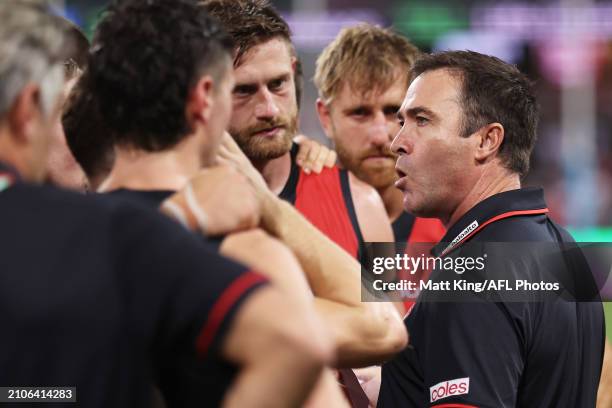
109,298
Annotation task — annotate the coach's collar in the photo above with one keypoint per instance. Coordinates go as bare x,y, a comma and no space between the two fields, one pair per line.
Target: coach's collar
524,201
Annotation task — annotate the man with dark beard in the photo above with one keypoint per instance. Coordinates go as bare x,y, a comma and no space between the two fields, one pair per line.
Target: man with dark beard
264,122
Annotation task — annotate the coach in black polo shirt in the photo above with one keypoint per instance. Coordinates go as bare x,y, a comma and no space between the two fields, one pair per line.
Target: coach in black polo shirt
468,129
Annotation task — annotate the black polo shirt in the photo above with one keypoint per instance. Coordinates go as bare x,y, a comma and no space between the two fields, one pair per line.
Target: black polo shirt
499,354
106,296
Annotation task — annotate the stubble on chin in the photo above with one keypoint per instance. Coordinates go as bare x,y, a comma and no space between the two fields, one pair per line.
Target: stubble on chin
261,148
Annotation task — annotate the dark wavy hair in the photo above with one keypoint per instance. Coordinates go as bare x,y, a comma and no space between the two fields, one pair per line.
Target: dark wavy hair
492,91
87,136
145,58
249,22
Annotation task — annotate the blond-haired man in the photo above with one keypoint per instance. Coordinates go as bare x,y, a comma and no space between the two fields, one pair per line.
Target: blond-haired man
362,77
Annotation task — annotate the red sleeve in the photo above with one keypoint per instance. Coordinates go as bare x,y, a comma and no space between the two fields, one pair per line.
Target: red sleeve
225,308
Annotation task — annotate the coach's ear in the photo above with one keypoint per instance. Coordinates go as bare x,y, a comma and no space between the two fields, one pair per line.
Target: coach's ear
200,101
324,113
489,141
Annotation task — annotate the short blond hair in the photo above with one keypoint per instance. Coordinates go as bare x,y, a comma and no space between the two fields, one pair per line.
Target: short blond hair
365,56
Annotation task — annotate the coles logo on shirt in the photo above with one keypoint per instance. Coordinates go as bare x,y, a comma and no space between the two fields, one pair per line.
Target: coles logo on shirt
450,388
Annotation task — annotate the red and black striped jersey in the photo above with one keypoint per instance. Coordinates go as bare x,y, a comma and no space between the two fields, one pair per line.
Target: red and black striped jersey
325,200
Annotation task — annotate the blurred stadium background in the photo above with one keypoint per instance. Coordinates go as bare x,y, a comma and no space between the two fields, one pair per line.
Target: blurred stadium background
565,46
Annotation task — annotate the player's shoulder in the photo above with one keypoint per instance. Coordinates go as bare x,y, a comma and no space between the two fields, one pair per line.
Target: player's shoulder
325,173
51,194
51,201
93,210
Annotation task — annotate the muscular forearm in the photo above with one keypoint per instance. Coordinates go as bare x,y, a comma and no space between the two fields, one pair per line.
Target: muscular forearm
270,257
370,336
331,272
282,379
364,332
604,395
279,363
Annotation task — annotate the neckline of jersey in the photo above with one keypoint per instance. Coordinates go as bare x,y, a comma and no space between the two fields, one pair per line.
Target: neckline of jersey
519,202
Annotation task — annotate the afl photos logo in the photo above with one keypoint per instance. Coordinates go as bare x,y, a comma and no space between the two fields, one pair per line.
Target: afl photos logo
450,388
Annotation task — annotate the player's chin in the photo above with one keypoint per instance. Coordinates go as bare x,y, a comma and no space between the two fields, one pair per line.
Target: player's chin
270,149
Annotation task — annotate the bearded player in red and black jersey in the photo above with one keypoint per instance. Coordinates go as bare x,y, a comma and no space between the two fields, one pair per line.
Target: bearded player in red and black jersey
264,122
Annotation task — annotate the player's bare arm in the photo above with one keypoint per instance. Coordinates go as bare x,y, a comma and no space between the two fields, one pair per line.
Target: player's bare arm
270,257
366,333
267,339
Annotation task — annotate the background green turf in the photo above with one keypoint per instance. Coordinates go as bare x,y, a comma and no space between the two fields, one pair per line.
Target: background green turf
608,313
597,235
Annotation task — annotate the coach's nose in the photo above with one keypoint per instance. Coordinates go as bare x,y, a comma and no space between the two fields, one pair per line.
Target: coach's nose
401,143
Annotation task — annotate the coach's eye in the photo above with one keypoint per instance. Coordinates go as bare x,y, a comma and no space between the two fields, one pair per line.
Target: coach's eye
421,120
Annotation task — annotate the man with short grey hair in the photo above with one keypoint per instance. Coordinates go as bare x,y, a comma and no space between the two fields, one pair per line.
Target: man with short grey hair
32,50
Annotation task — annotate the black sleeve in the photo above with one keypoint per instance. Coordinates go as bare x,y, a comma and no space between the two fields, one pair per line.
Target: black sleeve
178,284
471,354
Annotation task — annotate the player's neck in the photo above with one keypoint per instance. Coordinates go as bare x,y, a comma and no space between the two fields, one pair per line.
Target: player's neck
275,172
16,157
490,183
393,198
140,170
